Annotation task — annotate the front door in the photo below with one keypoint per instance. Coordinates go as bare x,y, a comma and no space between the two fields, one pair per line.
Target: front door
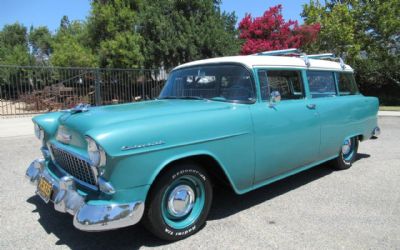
287,134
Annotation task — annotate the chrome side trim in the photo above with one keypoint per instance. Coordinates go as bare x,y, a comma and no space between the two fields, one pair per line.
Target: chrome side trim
150,144
194,142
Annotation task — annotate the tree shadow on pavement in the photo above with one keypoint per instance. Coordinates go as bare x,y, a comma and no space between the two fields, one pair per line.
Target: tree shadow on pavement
226,202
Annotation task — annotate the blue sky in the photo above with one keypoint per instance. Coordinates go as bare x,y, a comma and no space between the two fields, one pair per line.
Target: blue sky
49,12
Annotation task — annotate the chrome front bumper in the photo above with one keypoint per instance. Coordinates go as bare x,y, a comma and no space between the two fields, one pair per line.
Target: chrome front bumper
87,216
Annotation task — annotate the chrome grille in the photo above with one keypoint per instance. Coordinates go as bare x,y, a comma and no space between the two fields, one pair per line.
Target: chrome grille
73,165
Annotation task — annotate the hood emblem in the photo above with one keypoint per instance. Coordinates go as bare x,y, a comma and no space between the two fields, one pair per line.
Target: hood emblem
63,136
138,146
80,108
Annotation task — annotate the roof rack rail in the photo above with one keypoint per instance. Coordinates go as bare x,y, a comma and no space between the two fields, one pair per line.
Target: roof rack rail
278,52
304,56
322,56
326,56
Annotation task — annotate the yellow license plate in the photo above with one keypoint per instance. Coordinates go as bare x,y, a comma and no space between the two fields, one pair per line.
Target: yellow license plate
44,189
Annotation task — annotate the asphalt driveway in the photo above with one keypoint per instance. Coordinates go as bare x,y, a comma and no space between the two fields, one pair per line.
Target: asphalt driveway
357,208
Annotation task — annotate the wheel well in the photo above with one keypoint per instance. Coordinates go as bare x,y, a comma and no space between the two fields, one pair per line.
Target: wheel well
208,163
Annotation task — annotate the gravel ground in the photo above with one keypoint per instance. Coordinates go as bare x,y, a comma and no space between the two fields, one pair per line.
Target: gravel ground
357,208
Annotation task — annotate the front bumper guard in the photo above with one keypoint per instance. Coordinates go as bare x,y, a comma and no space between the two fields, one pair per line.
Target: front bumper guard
87,217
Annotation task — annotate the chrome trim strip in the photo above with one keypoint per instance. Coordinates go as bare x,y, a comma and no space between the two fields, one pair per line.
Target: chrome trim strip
194,142
150,144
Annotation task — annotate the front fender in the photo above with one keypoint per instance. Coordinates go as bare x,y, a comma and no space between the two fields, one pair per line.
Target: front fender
188,155
48,122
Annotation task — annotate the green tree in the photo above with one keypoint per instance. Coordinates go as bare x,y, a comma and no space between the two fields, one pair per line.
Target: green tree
14,45
112,34
178,31
366,34
338,29
70,48
40,40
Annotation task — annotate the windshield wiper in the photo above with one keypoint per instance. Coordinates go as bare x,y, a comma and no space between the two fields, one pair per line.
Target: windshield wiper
183,97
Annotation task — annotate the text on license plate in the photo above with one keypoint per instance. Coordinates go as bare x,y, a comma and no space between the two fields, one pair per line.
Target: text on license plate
44,189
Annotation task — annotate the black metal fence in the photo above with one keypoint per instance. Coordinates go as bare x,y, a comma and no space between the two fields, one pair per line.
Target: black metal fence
31,89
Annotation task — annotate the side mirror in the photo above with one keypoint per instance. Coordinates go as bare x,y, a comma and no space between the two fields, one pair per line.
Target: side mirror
274,98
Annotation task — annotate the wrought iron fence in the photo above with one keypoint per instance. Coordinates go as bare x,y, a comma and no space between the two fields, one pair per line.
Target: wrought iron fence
31,89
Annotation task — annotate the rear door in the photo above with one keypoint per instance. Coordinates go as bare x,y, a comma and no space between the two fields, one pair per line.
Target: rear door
287,135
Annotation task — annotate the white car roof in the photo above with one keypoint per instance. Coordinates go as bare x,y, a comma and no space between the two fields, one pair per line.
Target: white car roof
253,61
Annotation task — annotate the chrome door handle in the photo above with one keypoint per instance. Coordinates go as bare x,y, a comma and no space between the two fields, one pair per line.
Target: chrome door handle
311,106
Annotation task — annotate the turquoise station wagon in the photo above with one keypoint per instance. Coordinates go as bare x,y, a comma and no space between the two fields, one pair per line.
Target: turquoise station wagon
244,120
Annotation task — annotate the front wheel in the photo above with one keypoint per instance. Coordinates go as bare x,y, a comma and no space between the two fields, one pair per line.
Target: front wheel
347,155
179,202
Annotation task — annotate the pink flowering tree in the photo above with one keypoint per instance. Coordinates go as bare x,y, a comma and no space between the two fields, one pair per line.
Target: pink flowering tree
272,32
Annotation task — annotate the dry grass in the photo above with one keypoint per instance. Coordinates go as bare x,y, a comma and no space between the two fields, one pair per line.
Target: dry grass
389,108
20,108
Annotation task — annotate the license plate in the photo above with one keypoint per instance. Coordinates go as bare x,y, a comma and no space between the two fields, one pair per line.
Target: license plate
44,189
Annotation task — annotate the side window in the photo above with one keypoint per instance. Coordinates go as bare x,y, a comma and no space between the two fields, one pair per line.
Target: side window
287,82
346,84
321,83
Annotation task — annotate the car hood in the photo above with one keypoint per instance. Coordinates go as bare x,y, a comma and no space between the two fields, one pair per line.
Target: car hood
162,110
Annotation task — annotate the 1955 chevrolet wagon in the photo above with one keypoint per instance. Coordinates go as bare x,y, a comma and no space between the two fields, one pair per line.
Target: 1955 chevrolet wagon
244,120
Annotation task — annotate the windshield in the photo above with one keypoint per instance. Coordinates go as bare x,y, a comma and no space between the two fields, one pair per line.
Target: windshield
230,83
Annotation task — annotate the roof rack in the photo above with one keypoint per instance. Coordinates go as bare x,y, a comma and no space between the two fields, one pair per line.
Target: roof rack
327,56
280,52
304,56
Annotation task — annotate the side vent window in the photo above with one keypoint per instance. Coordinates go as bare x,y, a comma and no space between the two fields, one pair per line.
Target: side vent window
321,84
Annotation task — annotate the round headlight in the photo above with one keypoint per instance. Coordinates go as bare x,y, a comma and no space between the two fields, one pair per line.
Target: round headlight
39,133
96,153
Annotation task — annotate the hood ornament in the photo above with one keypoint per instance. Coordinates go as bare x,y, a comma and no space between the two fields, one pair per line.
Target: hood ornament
80,108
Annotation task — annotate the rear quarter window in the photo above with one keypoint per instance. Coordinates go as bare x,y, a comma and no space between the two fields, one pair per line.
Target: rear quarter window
321,84
347,84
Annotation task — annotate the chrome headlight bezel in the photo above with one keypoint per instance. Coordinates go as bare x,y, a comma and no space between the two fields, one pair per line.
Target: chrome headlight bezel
39,132
97,155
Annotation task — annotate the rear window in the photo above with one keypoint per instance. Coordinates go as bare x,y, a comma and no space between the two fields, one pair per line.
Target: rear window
347,84
321,83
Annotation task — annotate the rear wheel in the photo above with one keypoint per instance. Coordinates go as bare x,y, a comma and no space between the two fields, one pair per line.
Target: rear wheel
179,203
347,155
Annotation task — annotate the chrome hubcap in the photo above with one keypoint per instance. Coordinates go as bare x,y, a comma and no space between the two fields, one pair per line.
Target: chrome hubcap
346,147
181,200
